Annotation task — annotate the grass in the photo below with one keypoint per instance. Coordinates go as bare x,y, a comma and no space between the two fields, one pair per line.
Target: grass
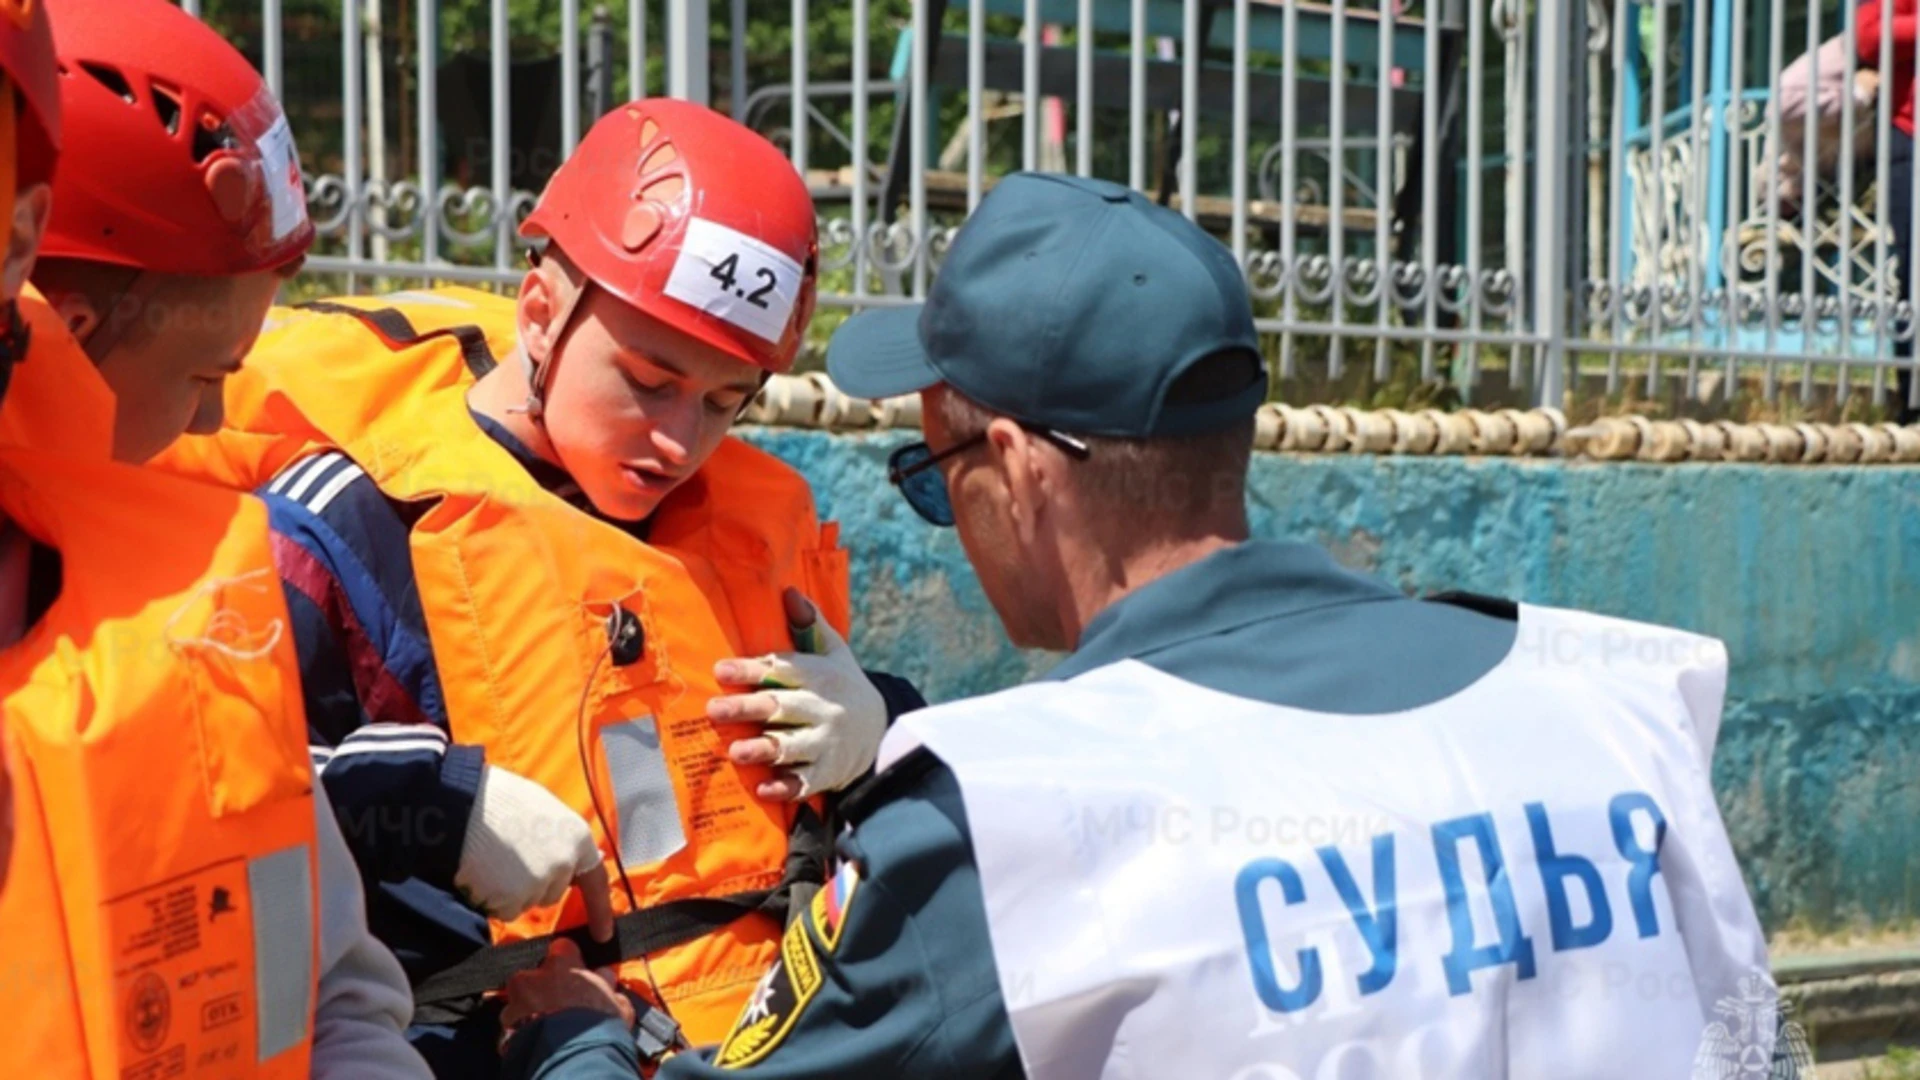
1901,1063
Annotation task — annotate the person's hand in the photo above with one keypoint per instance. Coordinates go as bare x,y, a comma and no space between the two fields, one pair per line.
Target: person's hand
562,982
823,718
524,848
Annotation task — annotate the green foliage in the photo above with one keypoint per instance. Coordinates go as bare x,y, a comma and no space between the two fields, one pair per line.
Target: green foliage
1901,1063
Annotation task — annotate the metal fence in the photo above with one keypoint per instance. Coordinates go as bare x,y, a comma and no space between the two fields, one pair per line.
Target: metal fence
1689,200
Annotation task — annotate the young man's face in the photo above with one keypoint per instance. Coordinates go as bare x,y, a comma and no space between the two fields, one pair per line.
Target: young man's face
169,368
635,406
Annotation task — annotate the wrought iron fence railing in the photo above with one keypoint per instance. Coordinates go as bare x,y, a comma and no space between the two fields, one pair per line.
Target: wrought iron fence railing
1685,201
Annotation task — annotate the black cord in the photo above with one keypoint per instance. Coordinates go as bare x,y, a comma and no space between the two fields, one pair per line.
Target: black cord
586,767
593,796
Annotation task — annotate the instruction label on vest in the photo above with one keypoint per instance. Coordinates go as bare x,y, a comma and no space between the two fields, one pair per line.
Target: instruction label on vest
183,975
732,276
700,756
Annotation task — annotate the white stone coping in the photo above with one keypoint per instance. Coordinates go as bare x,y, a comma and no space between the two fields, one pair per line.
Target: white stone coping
812,401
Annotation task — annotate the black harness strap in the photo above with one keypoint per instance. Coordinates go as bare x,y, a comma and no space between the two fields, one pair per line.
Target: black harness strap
635,934
393,324
453,993
809,852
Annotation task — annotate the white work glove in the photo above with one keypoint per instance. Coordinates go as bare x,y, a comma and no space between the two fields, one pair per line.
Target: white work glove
823,717
524,848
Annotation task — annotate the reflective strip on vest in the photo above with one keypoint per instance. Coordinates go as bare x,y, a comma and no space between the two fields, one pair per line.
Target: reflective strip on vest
283,934
643,790
1527,878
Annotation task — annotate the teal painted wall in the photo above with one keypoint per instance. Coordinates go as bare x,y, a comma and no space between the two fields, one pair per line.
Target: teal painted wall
1810,575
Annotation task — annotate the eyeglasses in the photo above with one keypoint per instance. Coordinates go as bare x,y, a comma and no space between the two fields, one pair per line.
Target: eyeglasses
911,469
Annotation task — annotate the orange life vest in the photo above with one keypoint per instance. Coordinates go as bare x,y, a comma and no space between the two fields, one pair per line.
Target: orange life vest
56,401
159,917
518,587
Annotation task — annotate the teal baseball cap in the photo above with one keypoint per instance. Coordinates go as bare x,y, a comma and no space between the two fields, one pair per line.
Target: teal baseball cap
1077,305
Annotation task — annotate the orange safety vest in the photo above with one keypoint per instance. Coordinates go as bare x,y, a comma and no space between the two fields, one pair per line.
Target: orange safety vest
56,401
160,913
518,587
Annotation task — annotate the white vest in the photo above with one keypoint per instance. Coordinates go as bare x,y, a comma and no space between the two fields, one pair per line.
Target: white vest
1180,882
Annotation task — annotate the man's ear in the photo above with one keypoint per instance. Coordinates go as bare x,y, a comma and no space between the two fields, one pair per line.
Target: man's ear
31,206
78,312
1016,454
535,312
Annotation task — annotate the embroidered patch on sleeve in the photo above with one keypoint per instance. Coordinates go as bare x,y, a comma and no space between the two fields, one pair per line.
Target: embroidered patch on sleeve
830,904
776,1003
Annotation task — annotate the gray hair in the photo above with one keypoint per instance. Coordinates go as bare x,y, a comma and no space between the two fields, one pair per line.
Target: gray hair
1181,480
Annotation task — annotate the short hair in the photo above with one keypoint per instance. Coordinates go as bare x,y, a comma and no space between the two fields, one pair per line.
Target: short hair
104,286
550,252
1186,476
100,284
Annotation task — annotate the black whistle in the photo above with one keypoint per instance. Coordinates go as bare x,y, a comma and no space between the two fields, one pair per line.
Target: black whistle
626,641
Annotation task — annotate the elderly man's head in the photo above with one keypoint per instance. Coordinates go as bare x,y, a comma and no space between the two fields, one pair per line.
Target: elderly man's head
1089,372
1043,524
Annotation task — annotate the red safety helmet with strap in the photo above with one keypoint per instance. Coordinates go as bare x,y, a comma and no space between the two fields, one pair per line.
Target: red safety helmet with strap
694,219
179,160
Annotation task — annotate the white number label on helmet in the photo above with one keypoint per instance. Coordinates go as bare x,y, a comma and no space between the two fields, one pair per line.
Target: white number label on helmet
280,163
732,276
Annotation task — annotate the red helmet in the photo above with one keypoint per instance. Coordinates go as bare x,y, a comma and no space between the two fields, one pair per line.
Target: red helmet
694,219
180,160
26,54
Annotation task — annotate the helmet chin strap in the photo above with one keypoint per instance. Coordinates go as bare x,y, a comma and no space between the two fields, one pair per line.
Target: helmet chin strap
538,374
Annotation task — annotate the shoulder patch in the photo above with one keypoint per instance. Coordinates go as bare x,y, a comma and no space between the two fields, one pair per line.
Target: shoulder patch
830,904
776,1003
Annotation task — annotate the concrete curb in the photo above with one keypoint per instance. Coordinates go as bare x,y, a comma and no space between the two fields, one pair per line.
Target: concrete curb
1853,1003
